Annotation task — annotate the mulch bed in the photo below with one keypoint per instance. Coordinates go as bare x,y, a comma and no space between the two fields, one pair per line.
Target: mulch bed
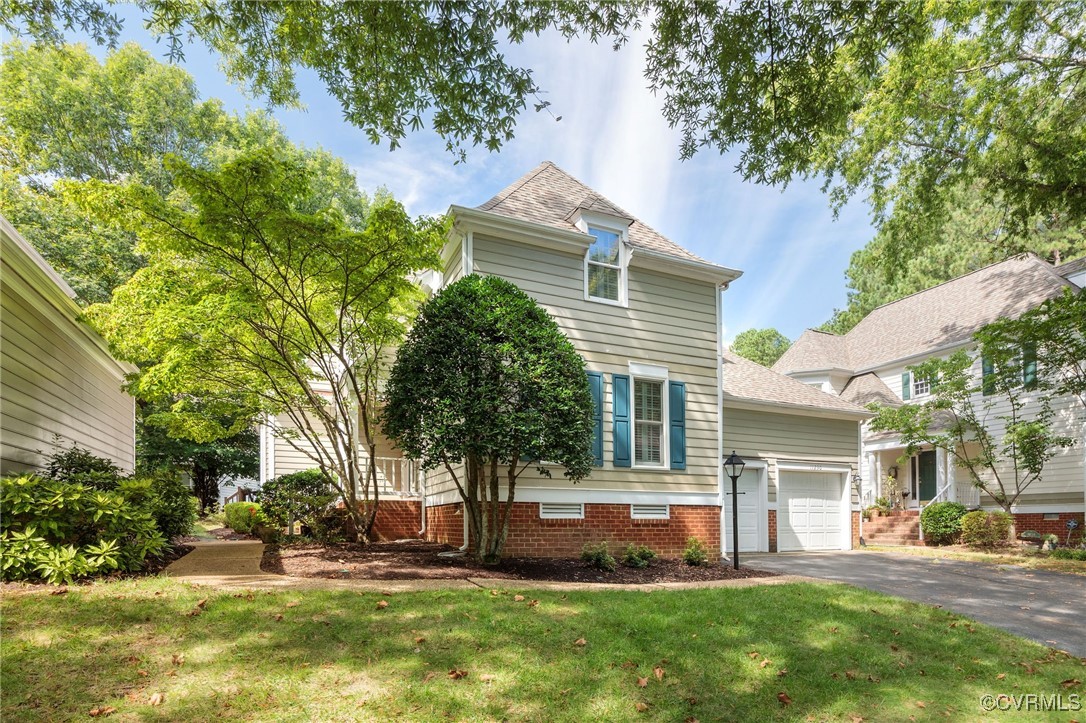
414,559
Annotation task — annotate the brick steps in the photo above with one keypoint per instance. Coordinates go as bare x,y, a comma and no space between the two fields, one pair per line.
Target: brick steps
899,528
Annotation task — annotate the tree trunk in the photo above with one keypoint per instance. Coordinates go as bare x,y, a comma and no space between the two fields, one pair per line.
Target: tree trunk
205,487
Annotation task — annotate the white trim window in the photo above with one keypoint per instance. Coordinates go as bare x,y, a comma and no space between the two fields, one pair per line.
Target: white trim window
921,386
649,422
605,275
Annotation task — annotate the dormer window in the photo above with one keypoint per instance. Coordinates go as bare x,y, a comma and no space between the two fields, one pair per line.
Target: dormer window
603,266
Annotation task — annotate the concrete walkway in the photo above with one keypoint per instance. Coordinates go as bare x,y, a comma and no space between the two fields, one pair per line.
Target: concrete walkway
1040,605
237,565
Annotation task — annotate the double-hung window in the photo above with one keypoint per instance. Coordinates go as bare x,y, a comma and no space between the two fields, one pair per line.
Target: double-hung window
648,423
921,386
604,266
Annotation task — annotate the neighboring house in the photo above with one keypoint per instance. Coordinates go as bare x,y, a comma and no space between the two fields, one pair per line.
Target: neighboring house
801,447
646,316
868,364
56,374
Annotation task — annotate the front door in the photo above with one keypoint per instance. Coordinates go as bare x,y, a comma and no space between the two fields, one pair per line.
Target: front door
926,466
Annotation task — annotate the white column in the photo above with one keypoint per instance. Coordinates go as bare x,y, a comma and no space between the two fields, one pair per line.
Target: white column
940,470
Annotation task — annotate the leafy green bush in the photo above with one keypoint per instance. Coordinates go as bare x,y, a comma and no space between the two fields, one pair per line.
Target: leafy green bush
639,556
60,531
304,496
986,529
598,556
78,466
1069,553
695,553
243,517
942,522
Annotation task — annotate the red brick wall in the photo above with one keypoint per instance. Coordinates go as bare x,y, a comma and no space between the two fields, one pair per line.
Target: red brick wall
530,536
772,530
1036,521
445,523
397,519
855,521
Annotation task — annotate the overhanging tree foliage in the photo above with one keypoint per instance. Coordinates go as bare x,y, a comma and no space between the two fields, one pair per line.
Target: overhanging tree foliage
763,346
262,287
488,379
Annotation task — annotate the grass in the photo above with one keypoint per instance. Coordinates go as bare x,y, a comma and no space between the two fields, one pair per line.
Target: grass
1032,559
837,652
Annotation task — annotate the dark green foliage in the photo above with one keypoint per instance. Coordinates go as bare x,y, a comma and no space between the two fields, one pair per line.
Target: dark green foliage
78,466
763,346
305,497
942,522
598,556
637,556
243,517
61,531
985,530
1069,553
695,553
487,377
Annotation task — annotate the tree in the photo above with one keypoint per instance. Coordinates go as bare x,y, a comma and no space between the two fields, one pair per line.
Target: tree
225,453
999,431
260,292
902,100
763,346
487,378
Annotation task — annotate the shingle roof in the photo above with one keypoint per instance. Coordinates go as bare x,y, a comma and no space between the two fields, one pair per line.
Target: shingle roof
550,196
1071,267
868,388
938,317
745,380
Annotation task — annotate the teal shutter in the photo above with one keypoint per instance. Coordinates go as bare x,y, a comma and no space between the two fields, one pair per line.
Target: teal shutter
620,403
987,376
906,387
595,383
1029,366
677,428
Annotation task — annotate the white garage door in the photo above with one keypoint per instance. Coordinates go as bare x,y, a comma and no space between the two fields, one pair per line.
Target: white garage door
809,511
750,512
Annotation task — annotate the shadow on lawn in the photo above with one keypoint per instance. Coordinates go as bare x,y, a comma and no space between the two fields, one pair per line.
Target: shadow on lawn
833,650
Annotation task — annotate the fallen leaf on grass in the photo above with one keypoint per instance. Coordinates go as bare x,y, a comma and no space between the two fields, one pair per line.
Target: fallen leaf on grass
782,672
171,672
103,709
518,598
581,642
894,648
641,707
874,679
193,613
420,640
1070,682
921,704
278,617
201,603
532,603
382,604
178,658
629,664
856,718
691,719
60,591
156,699
754,654
642,682
658,672
293,604
141,673
833,629
429,676
764,663
1001,676
456,674
486,677
783,698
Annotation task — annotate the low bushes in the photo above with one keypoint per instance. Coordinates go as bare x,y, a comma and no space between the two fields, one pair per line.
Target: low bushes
638,556
307,497
244,517
1069,553
598,556
986,529
942,522
695,553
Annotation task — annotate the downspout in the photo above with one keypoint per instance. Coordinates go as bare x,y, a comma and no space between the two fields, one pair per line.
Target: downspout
464,547
422,495
720,289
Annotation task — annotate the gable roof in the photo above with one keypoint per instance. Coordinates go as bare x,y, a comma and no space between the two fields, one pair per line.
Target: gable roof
748,381
550,196
924,322
868,388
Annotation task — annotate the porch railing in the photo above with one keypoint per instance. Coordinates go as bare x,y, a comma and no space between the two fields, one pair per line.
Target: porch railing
398,477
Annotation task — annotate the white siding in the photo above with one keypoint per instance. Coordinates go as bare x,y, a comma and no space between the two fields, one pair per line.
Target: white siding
56,376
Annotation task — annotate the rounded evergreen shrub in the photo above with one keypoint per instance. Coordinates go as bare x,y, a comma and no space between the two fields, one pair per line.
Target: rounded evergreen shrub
598,556
942,522
305,496
695,553
243,517
983,530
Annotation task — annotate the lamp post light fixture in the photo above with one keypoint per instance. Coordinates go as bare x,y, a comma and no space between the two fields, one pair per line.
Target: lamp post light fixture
733,467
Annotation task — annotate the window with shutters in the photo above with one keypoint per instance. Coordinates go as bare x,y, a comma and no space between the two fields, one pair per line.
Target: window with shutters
649,432
649,419
921,386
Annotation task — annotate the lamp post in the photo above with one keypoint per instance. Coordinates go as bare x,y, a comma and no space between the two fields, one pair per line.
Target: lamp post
733,467
858,481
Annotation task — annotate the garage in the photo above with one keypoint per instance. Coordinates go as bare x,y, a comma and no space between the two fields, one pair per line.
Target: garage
750,512
810,510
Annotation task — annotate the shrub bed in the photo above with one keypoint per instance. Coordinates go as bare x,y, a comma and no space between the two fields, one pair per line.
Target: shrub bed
942,522
984,530
244,517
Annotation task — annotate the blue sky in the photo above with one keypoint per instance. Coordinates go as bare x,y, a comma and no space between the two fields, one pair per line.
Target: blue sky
613,137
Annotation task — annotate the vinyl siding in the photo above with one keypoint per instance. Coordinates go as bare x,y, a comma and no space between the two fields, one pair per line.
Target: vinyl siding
670,321
56,376
777,437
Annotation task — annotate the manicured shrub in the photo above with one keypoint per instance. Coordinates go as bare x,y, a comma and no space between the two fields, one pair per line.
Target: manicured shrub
307,497
986,529
59,531
243,517
1069,553
942,522
598,556
695,553
637,556
78,466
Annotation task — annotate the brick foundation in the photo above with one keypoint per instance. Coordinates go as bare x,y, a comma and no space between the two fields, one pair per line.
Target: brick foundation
530,536
1035,521
854,519
397,519
772,530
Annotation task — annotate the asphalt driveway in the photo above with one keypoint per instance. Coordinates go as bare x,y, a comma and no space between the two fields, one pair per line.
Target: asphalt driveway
1047,607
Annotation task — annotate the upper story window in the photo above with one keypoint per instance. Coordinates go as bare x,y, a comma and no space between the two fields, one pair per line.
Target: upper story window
605,276
648,422
921,386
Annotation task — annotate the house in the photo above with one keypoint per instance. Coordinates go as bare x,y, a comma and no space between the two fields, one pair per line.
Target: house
56,374
646,316
869,364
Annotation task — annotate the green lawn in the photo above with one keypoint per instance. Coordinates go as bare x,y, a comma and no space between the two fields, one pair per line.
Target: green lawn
1032,559
724,654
